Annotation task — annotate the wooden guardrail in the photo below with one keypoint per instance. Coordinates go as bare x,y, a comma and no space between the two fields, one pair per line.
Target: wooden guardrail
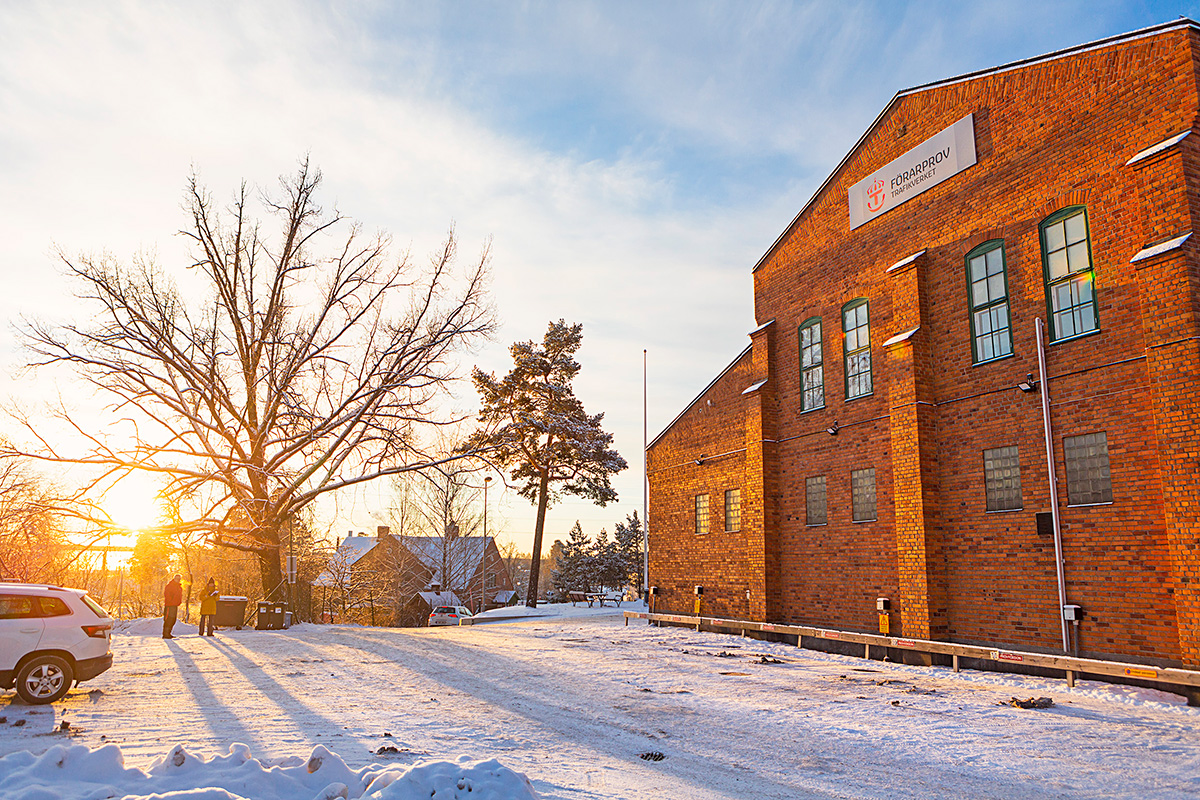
1068,664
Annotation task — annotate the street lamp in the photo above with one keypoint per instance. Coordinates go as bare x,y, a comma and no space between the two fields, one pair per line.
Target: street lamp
483,559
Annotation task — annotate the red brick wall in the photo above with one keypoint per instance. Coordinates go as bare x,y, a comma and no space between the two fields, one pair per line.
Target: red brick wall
1048,135
710,431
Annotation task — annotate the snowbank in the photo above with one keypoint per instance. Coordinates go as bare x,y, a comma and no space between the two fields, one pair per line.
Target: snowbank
67,772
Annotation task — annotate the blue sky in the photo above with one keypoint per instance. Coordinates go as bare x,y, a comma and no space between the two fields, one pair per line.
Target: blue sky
630,160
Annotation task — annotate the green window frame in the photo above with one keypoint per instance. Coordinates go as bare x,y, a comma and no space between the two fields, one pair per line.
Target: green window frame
856,348
987,298
1069,274
812,366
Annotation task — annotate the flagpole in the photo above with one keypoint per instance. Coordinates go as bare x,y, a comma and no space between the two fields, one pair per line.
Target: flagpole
645,488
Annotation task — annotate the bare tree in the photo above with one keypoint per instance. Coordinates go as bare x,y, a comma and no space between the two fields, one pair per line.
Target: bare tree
305,366
32,547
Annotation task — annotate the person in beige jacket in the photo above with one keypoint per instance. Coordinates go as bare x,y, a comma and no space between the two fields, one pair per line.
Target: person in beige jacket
208,607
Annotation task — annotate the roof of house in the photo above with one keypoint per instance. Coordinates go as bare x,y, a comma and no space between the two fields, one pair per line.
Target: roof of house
439,598
465,551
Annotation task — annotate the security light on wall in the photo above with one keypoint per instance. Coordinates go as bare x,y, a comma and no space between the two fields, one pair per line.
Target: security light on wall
833,429
1029,384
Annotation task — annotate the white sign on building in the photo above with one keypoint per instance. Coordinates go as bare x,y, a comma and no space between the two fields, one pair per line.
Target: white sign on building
939,157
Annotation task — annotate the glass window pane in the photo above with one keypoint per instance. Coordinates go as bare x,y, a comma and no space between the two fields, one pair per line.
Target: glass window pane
978,268
995,287
862,494
995,261
1089,479
1076,229
1055,237
816,511
1077,257
1058,264
1002,479
979,292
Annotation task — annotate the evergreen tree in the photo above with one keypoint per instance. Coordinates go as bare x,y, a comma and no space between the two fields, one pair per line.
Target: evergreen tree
534,425
629,543
575,567
608,563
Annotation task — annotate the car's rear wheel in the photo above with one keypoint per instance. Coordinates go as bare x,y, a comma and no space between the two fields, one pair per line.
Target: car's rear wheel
44,679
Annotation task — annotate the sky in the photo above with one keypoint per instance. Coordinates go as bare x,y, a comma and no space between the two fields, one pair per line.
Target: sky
629,161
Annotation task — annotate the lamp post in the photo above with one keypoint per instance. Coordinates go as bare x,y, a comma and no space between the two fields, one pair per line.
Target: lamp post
483,559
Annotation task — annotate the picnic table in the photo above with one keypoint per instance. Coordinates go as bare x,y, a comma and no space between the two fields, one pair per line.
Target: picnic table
594,597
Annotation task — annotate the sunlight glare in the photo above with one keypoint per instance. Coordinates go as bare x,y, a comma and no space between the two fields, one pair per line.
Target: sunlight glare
132,502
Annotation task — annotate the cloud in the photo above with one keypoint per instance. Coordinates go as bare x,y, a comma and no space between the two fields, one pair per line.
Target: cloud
631,161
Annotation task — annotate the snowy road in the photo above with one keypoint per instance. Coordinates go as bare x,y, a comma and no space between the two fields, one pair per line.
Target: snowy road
572,702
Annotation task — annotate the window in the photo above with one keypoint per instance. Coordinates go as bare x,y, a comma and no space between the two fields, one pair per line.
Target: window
815,510
733,509
701,513
1002,479
16,606
1088,478
862,494
1067,262
987,291
812,368
857,348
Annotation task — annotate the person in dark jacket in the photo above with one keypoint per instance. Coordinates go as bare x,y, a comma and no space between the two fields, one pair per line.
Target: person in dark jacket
208,607
172,597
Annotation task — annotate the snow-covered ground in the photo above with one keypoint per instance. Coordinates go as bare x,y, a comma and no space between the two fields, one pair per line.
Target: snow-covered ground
572,699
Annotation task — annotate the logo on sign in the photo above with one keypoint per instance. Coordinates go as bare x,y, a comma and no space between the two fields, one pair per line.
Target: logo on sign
876,195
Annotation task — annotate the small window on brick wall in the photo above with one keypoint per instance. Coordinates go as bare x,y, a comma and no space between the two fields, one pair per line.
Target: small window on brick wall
862,494
1002,478
701,513
812,366
987,293
1069,272
856,346
815,509
1088,478
733,509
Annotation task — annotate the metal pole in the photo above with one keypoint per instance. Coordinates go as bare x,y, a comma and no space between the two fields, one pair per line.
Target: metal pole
1058,553
645,487
483,561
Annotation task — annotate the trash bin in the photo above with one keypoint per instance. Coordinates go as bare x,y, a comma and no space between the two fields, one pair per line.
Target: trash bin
231,611
270,615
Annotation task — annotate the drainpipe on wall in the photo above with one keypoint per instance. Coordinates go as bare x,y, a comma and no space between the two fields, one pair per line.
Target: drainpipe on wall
1058,554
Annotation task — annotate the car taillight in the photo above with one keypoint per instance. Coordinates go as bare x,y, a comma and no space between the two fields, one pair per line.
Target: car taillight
96,631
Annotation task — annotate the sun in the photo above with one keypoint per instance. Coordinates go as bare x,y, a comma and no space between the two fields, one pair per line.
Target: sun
132,502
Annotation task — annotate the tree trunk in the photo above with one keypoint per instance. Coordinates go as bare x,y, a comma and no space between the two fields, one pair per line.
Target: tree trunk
535,563
271,573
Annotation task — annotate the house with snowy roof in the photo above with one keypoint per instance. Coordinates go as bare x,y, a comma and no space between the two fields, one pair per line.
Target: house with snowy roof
383,579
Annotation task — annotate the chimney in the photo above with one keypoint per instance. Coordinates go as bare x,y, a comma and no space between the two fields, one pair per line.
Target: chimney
382,532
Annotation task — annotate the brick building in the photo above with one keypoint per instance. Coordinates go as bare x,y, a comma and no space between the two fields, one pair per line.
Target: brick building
883,434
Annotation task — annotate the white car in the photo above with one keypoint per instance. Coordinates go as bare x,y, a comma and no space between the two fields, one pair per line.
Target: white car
50,638
448,615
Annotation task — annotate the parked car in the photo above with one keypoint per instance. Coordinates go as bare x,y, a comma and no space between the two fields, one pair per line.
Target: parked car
50,638
448,615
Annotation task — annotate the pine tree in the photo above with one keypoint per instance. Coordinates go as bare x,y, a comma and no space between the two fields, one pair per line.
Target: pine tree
608,562
534,425
575,567
629,542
